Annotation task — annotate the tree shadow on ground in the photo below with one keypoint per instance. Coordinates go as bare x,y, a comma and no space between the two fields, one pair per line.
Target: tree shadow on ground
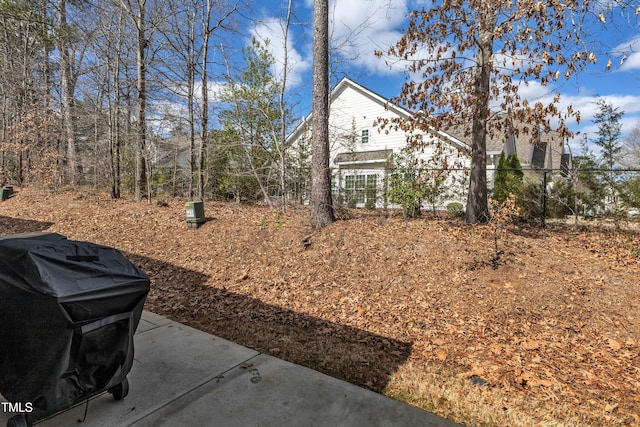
568,230
10,225
360,357
343,352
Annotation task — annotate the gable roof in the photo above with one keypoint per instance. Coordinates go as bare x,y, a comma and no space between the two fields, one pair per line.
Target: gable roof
545,151
382,101
341,87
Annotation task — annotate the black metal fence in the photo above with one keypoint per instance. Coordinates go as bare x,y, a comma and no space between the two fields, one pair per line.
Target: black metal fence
582,194
564,194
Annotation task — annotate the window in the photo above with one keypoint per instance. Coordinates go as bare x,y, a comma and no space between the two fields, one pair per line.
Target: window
348,182
360,189
365,136
349,193
360,185
334,186
372,181
371,191
565,161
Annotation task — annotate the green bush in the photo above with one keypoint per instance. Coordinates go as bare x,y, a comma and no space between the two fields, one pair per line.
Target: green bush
455,210
406,191
370,202
561,199
508,178
352,200
529,201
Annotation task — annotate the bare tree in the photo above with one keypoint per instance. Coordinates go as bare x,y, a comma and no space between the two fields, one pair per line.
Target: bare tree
181,62
321,205
631,148
281,144
188,56
469,59
137,11
112,53
28,144
67,91
208,28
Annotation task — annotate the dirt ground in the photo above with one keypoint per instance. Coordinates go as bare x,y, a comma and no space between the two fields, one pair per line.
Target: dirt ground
412,309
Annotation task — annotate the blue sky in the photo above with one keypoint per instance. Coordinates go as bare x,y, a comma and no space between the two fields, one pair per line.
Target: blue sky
359,27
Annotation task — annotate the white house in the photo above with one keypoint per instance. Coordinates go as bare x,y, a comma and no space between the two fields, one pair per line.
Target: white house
360,152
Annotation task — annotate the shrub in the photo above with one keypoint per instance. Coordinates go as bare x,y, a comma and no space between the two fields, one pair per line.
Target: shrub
503,214
455,209
529,201
508,179
370,202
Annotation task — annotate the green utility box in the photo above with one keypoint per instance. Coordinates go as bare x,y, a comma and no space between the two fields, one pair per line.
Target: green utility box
195,214
6,192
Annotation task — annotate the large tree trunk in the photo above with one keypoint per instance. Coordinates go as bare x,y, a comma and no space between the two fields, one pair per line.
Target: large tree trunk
321,204
477,205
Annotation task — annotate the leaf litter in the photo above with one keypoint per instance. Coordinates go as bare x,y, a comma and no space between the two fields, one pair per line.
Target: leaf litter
557,323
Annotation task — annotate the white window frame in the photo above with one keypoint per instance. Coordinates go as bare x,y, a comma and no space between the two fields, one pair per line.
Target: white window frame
365,136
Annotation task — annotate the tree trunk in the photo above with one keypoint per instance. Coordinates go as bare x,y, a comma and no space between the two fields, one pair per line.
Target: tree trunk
282,149
114,125
207,30
67,93
141,166
321,204
206,33
205,123
192,123
477,205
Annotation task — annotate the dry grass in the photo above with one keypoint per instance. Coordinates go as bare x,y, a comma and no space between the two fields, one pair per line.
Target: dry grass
452,395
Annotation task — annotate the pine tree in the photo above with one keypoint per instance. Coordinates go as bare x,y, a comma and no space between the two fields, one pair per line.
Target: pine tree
321,203
508,179
609,129
500,180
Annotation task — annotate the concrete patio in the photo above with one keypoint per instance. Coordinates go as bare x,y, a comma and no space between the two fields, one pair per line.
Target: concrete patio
185,377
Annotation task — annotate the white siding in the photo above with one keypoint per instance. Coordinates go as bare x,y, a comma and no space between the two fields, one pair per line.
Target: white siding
353,109
351,112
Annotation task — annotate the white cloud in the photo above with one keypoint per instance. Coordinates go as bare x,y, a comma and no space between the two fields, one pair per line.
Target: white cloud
631,63
584,103
630,51
357,29
360,27
214,90
588,108
273,30
369,15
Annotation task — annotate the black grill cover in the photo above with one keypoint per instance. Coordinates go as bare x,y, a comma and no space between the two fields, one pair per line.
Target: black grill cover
68,312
